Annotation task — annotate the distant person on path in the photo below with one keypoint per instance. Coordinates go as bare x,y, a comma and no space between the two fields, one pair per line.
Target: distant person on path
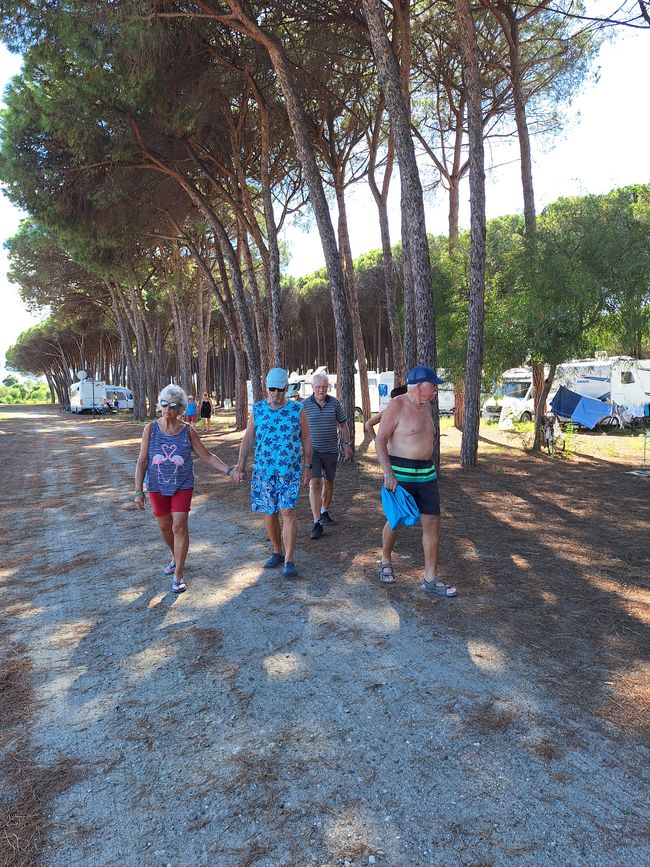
404,449
190,413
280,430
374,420
166,458
206,410
325,415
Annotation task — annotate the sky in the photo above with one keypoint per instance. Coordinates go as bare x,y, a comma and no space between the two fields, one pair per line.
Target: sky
604,144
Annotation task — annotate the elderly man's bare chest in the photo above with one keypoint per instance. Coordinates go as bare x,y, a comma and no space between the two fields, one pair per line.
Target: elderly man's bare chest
415,422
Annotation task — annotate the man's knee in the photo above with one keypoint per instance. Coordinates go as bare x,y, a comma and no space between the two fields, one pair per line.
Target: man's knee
288,514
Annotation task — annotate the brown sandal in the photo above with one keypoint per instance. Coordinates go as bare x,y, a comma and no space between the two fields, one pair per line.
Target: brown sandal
386,573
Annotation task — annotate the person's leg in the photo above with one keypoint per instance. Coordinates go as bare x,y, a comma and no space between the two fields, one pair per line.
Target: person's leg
315,497
328,490
165,524
272,523
181,533
289,533
430,545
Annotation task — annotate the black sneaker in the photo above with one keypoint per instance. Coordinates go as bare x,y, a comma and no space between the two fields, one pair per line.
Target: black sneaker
316,530
326,518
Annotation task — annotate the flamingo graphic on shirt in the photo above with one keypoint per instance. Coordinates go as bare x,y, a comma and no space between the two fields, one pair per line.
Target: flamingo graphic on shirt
167,457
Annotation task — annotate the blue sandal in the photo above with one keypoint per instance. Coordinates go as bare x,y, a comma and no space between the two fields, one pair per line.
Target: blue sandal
178,586
274,561
169,570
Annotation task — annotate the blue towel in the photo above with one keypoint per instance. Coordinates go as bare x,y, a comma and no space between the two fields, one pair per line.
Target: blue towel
399,507
564,402
590,411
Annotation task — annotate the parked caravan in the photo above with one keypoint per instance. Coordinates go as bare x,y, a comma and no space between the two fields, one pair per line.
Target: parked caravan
630,386
620,379
86,395
119,397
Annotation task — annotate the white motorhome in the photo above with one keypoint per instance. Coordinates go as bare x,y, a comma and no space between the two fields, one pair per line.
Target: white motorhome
119,397
86,394
619,379
630,381
513,396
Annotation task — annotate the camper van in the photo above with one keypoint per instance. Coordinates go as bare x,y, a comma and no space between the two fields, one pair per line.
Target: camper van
623,380
86,395
119,397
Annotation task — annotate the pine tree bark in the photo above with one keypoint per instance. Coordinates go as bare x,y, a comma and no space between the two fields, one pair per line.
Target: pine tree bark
476,313
412,201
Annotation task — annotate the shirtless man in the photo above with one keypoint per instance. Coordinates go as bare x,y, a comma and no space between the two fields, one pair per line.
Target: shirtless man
404,449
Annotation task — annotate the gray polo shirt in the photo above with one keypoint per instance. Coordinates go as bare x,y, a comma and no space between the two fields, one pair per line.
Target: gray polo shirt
323,422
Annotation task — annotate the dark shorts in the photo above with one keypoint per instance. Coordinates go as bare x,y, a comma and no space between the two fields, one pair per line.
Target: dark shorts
420,479
191,418
164,505
324,464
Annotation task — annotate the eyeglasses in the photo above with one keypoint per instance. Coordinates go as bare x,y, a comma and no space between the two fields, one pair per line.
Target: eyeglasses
165,403
272,388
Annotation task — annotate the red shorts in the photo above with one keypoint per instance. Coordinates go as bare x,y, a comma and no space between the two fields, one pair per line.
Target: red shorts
191,418
178,502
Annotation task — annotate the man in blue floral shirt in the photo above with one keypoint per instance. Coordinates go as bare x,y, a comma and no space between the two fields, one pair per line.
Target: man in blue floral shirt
281,432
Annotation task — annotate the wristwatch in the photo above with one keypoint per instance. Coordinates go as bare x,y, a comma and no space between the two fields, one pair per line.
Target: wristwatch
347,444
307,466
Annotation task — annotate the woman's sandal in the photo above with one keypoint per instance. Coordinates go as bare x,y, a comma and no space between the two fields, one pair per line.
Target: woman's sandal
169,569
386,573
178,586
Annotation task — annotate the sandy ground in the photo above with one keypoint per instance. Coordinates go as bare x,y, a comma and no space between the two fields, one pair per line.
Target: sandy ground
328,720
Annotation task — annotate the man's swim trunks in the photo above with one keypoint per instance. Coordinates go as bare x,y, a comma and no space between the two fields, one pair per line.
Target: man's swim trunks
420,479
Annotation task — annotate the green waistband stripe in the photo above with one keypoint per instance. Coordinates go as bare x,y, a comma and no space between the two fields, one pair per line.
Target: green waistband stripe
410,474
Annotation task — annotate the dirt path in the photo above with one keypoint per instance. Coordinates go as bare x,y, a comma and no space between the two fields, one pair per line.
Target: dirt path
329,720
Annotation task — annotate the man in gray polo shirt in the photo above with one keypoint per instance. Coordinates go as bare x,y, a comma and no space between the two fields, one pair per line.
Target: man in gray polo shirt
324,413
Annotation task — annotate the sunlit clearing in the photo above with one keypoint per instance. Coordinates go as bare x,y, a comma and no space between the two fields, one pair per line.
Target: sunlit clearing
140,665
130,594
222,593
156,600
519,561
549,598
7,574
119,444
486,656
22,610
71,634
283,665
352,835
470,551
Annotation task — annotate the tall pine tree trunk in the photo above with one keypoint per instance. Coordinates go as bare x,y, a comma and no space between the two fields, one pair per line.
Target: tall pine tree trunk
476,313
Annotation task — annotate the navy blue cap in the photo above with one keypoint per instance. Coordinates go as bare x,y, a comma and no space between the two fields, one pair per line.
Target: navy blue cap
422,374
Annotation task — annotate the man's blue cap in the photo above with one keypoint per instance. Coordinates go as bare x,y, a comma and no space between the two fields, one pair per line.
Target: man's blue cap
422,374
277,377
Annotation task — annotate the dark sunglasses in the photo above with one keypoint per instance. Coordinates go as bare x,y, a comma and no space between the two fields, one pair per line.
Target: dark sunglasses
170,405
272,388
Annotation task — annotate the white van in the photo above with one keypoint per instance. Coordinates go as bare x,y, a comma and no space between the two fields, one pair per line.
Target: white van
86,394
119,397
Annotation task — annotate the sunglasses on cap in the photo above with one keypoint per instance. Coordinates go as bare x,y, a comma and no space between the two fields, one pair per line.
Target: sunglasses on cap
172,405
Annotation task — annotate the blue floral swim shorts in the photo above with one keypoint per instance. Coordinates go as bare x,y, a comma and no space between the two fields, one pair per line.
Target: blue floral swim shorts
271,493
